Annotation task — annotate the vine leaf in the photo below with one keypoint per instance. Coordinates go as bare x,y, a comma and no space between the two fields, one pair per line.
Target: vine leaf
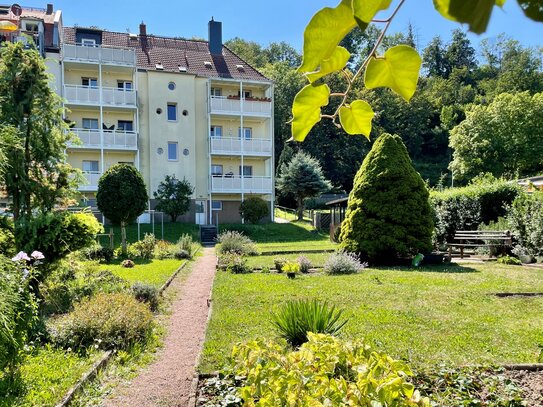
532,9
365,10
356,118
398,70
475,13
306,109
337,61
324,32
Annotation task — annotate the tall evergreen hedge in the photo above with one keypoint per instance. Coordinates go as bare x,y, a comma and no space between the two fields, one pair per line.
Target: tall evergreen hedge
388,214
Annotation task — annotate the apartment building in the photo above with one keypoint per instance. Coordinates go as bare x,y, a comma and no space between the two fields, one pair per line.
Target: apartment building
169,106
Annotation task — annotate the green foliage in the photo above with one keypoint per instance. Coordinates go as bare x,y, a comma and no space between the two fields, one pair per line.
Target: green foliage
106,321
525,218
7,239
97,252
165,250
509,260
56,234
295,318
475,14
500,138
173,196
303,178
306,109
254,209
144,249
324,370
234,263
304,263
32,133
146,293
185,245
388,212
342,263
279,262
232,241
128,264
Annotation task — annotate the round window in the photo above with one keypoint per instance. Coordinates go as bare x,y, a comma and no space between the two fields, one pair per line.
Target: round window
185,112
159,151
158,110
171,85
186,151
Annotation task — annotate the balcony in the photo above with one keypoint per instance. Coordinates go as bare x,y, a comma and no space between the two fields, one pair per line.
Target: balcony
99,54
112,139
235,146
237,184
91,183
90,95
235,106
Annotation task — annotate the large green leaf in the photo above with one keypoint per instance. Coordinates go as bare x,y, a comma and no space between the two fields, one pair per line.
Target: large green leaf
356,118
324,32
306,109
475,13
337,61
365,10
532,8
398,70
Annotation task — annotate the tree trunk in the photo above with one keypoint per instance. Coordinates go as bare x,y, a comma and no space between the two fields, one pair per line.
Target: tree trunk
123,238
300,208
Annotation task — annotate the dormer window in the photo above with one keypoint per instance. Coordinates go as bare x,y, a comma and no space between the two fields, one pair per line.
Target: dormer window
159,66
208,64
88,42
182,68
240,68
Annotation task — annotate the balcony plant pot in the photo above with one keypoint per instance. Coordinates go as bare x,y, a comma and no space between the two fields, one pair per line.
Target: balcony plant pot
292,276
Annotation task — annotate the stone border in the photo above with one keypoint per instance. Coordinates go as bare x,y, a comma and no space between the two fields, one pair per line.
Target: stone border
88,376
531,367
174,275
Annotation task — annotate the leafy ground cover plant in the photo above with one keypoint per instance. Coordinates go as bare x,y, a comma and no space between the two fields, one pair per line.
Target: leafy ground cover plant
324,371
343,263
296,318
145,248
232,241
279,263
128,264
106,321
509,260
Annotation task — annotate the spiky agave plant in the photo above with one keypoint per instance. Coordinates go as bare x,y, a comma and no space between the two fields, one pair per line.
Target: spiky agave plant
296,318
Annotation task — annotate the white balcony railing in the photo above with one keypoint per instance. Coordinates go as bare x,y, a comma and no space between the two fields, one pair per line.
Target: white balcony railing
225,105
91,183
89,95
237,184
233,146
112,139
99,54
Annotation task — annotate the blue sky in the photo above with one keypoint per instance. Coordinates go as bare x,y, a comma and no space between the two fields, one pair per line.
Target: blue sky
267,21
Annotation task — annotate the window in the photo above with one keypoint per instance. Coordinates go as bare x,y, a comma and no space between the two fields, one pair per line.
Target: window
216,92
172,151
216,131
88,42
216,169
90,166
31,26
90,124
216,205
127,162
246,94
125,125
247,133
172,112
90,82
171,86
247,170
124,85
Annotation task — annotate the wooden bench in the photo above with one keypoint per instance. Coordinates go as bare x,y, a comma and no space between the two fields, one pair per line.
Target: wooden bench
479,238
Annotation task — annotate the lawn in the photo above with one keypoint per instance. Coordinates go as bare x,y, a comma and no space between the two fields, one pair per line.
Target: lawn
445,313
154,272
172,232
317,259
46,375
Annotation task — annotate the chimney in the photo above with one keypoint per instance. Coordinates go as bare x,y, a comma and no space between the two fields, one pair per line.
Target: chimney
215,37
143,30
49,9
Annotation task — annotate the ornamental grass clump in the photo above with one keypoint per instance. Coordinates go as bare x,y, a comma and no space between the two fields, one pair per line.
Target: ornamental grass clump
233,241
343,263
296,318
305,264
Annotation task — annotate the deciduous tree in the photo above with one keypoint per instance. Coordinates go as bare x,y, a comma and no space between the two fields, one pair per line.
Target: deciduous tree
173,196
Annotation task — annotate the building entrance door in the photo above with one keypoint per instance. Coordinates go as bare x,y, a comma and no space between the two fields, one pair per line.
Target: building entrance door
201,212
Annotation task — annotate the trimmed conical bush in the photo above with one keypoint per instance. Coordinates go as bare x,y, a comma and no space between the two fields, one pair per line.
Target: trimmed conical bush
388,214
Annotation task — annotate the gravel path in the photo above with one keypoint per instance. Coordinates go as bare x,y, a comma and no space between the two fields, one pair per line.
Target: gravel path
167,381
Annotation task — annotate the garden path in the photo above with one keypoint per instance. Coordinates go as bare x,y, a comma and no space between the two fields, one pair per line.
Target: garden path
167,381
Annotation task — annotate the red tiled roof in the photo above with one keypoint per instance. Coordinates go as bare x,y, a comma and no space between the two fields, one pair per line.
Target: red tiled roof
174,52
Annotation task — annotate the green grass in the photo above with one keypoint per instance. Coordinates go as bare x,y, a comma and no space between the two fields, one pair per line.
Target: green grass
46,375
172,232
154,272
427,316
317,259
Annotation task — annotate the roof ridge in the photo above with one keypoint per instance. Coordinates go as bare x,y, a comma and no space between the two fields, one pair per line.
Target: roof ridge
244,61
148,35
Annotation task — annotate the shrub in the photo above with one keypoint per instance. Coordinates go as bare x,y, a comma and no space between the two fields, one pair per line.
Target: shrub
164,250
128,264
525,219
182,254
7,239
296,318
509,260
324,371
388,213
144,249
235,242
99,253
147,294
107,321
234,263
254,209
184,245
305,264
342,263
279,263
